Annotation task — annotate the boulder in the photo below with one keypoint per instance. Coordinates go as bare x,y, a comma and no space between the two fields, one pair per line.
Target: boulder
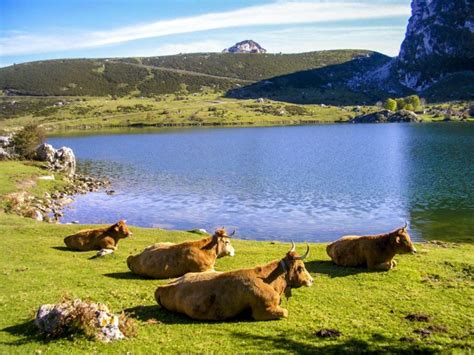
65,161
62,160
45,152
56,320
404,116
4,155
5,141
385,116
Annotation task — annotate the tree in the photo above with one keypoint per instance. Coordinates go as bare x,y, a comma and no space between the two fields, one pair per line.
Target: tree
390,104
409,107
25,141
413,100
400,104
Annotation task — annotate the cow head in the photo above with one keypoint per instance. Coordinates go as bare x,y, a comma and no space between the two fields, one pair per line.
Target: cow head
402,242
224,248
297,275
120,229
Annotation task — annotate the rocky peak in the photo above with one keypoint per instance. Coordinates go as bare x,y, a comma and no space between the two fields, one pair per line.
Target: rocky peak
247,46
439,41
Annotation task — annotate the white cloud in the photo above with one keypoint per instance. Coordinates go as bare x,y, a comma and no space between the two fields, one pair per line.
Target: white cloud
175,48
279,13
385,39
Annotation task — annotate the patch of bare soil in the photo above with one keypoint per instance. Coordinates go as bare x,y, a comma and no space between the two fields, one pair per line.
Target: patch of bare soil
418,317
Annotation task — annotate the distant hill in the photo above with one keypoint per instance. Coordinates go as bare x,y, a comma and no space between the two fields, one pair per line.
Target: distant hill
160,75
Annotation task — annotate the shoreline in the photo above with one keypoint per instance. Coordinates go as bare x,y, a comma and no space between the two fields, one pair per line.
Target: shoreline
150,128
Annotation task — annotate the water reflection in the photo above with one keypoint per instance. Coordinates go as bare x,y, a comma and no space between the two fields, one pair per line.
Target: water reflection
303,183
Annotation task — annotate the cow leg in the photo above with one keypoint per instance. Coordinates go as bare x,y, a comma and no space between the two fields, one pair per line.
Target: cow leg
382,266
269,313
266,303
104,252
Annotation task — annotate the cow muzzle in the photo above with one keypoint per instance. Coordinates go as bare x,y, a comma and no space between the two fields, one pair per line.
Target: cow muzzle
413,251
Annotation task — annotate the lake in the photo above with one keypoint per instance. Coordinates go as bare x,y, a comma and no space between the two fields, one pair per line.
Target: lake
311,183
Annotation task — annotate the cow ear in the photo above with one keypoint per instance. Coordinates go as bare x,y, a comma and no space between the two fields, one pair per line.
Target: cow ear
397,240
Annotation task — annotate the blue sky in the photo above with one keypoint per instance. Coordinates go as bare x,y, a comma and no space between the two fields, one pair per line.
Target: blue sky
48,29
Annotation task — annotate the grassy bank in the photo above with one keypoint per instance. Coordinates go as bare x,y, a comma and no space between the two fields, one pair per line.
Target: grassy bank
202,109
369,309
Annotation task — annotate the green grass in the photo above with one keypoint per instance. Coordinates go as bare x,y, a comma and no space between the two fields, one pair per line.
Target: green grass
199,109
369,308
22,176
172,110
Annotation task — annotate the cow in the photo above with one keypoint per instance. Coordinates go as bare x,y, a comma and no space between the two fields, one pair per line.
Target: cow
103,239
167,260
224,295
373,251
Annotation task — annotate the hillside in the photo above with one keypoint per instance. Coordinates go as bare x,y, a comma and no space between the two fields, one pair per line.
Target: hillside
158,75
329,84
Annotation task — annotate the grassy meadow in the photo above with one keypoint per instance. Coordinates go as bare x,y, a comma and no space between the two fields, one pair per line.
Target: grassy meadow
368,308
68,114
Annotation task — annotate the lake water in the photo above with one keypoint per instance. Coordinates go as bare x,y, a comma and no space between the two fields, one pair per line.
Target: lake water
312,183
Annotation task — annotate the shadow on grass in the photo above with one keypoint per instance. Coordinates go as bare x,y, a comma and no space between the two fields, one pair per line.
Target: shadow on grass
157,313
329,268
126,276
287,343
27,330
63,249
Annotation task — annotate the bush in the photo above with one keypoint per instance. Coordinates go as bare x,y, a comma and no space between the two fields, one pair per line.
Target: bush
25,141
390,104
411,103
414,101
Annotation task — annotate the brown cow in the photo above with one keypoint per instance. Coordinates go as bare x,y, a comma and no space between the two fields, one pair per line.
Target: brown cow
166,260
224,295
374,251
103,239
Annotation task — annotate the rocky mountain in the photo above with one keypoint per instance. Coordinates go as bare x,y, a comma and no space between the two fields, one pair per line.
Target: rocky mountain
439,41
247,46
436,61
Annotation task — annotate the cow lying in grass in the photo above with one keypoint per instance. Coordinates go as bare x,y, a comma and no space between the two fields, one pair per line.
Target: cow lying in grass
166,260
224,295
103,239
374,251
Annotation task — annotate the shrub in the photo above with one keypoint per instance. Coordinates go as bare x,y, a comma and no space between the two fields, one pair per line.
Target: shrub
390,104
25,141
414,101
409,107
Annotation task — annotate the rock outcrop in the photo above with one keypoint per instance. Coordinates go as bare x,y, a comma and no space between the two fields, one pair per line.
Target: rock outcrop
439,41
247,46
5,154
56,320
387,116
61,160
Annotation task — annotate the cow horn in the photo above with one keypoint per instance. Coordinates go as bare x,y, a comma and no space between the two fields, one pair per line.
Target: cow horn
406,225
293,247
232,234
305,254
